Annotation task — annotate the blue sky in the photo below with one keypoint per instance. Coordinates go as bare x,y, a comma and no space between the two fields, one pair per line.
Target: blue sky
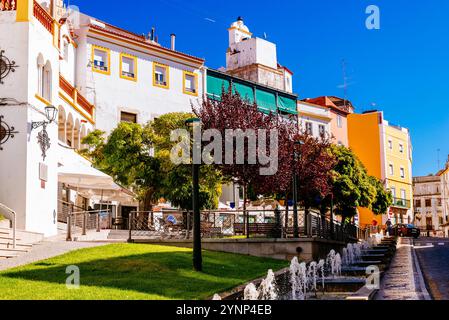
403,68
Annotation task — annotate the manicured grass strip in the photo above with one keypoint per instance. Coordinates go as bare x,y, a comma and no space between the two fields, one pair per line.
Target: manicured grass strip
133,271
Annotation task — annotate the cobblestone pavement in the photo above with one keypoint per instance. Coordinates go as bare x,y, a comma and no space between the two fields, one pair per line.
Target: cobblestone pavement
45,250
402,280
433,255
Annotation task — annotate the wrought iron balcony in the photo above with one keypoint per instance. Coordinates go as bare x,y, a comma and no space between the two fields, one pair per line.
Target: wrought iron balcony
401,203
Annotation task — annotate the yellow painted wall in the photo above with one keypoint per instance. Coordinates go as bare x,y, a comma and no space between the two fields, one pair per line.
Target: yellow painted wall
24,10
398,160
365,141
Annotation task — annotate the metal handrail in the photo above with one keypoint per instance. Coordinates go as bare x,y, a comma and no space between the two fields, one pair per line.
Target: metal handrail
13,216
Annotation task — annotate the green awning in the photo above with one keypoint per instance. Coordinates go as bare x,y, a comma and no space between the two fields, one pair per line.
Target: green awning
215,86
245,91
266,101
287,105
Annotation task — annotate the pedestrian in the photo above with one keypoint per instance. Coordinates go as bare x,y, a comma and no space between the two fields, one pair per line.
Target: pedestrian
388,225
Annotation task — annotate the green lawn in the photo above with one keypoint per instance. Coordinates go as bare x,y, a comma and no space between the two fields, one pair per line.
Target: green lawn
133,271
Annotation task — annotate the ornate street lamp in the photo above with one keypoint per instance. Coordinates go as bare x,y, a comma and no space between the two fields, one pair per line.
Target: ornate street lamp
50,114
42,138
195,123
296,155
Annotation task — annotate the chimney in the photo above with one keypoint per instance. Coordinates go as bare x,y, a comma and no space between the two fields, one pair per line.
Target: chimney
173,41
153,30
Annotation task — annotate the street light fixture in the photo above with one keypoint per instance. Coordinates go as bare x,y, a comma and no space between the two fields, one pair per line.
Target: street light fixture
42,138
296,155
50,114
197,255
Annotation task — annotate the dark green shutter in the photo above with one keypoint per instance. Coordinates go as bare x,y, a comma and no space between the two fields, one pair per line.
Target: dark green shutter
287,105
215,86
266,101
245,91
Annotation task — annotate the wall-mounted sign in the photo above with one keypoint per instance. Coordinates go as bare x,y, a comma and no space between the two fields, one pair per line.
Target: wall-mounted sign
6,132
6,66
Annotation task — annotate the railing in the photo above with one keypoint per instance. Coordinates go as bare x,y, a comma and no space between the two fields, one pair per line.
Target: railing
80,220
8,5
43,17
226,224
402,203
11,214
74,94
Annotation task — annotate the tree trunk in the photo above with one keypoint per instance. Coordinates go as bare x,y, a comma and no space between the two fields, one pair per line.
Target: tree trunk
148,201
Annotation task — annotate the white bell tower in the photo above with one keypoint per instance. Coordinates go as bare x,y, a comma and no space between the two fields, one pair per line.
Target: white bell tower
238,31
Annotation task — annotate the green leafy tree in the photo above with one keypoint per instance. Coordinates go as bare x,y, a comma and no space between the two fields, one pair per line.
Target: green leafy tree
139,157
383,199
126,157
177,179
352,186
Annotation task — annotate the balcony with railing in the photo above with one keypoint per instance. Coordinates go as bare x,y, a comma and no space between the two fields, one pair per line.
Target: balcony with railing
8,5
401,203
43,17
76,99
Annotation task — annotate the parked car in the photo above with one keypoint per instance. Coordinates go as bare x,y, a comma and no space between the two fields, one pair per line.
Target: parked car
406,230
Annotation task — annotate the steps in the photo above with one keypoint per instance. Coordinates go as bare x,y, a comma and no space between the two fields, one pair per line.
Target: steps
24,242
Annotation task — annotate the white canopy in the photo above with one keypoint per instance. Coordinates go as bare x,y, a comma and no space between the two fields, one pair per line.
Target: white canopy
92,183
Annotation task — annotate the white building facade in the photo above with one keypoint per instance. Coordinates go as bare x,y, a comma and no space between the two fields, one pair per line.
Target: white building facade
314,119
427,194
95,75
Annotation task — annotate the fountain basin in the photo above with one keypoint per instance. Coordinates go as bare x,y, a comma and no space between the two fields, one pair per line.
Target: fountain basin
380,264
375,257
347,284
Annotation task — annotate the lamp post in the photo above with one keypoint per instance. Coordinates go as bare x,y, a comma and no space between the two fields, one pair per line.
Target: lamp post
296,155
197,255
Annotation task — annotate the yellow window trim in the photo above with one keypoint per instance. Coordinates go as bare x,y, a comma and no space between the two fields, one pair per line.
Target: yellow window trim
195,76
42,99
134,58
108,52
167,75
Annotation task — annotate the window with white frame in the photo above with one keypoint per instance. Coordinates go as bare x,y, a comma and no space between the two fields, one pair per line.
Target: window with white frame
190,83
340,121
401,148
44,75
393,192
47,82
322,130
391,169
161,76
309,128
390,144
402,173
403,194
66,50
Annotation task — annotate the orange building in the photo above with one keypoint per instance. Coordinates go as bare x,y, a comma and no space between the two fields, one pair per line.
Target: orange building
386,152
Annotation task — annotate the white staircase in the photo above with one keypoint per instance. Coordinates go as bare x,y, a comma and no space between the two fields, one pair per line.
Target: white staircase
24,242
